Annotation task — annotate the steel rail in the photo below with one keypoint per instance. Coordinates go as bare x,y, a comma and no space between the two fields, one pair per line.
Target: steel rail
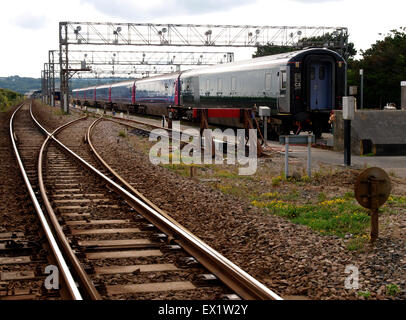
230,274
62,266
90,289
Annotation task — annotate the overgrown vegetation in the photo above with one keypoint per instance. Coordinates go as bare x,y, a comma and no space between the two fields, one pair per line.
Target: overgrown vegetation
303,200
122,133
319,41
9,98
337,216
384,66
392,290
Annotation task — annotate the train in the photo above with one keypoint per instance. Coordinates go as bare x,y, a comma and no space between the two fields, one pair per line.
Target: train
301,88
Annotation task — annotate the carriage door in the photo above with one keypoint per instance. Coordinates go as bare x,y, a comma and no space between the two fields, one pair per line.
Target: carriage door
320,86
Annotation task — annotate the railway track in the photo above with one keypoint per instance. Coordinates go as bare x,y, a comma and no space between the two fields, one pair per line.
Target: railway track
25,256
117,243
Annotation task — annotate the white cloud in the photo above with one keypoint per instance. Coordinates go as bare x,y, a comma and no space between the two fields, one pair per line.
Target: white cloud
31,22
28,29
142,10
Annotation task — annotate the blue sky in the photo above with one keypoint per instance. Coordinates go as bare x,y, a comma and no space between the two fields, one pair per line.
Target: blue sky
28,29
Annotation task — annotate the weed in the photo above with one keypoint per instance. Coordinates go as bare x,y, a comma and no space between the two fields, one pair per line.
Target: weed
321,197
349,195
276,181
122,133
397,201
392,173
365,294
335,217
270,195
59,112
227,174
357,244
392,290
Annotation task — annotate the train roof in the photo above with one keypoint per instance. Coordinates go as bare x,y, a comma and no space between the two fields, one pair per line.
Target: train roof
164,76
255,63
83,89
261,62
123,83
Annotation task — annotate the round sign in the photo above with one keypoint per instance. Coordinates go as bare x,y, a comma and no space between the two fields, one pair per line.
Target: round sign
372,188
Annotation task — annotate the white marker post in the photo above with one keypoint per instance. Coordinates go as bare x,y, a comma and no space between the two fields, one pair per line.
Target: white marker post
265,112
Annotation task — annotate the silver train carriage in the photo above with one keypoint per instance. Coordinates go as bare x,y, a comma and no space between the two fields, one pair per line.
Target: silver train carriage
301,88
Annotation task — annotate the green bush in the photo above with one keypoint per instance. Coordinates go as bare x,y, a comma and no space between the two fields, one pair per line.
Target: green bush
9,98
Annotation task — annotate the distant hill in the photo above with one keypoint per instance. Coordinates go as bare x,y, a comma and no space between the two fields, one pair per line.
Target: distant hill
20,85
23,85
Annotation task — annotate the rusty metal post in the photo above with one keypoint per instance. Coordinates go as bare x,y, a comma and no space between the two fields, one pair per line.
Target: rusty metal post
204,124
192,171
372,190
249,125
374,186
170,116
374,225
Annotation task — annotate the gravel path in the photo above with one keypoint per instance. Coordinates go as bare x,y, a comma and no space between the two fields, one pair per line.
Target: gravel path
290,259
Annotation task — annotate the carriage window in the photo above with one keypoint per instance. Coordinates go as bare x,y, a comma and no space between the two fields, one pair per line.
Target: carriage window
283,80
219,85
312,73
208,85
322,73
233,84
268,81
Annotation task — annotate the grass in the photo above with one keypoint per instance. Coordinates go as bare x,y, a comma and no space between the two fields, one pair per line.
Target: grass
396,201
331,217
392,290
358,243
321,197
59,112
122,133
276,181
365,294
294,200
4,108
8,99
392,173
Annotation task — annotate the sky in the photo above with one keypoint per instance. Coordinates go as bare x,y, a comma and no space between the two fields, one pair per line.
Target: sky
28,29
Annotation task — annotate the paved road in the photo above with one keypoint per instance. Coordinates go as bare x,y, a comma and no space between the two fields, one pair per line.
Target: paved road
396,165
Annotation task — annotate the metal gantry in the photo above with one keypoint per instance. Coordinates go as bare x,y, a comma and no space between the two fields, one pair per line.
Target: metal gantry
180,35
134,64
148,34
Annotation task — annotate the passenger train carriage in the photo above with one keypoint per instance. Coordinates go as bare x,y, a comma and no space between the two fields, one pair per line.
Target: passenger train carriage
301,88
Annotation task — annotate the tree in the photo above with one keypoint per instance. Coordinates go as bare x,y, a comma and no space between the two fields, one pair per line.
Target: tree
268,50
3,101
384,67
334,40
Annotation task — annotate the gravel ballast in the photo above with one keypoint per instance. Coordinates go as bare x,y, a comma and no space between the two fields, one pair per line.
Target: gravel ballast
290,259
